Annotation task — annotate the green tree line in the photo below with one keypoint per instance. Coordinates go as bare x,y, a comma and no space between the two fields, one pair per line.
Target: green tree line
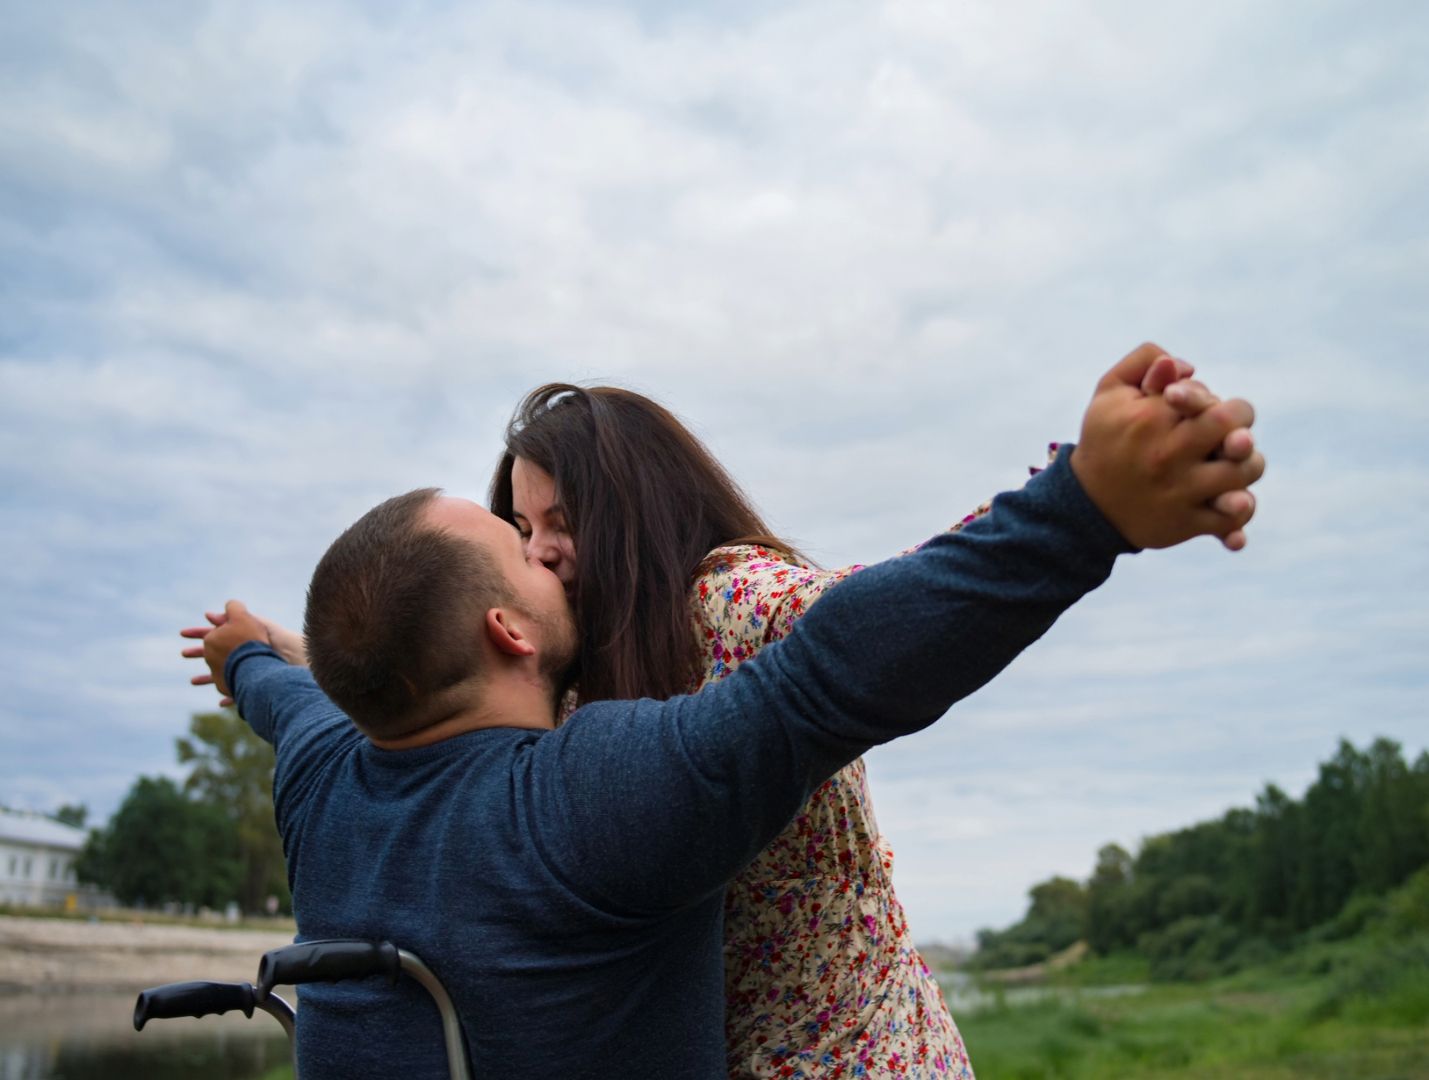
207,843
1228,892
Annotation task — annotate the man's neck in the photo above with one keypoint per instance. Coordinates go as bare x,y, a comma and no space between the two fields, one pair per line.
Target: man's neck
509,703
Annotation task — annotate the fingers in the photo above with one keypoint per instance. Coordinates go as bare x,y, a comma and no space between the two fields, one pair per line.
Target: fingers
1132,368
224,700
1164,372
215,618
1234,504
1215,478
1238,505
1233,510
1252,468
208,642
1238,445
1190,397
1229,529
1200,437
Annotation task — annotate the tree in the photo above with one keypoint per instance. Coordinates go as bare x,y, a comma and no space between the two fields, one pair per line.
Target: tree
1202,899
1392,840
1238,879
1278,855
1329,837
1109,923
232,768
162,846
72,814
1059,911
1055,918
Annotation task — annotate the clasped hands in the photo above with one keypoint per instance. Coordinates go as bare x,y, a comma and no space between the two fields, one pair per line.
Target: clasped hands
1163,458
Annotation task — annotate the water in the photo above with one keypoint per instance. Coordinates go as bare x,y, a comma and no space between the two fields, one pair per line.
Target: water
89,1036
965,996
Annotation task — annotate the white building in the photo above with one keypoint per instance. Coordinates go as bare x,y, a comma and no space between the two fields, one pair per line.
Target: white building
37,856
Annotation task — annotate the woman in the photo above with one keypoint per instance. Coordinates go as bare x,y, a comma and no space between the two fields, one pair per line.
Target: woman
676,581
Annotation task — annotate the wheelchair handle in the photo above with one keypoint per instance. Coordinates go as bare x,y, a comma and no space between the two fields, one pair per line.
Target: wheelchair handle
340,959
207,998
327,961
192,999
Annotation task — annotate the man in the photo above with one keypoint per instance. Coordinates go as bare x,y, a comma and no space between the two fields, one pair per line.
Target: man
565,884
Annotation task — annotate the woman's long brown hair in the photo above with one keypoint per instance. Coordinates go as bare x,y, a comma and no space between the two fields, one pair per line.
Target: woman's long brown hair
645,503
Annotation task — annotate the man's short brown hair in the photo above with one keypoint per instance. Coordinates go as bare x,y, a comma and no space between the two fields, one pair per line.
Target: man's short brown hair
394,610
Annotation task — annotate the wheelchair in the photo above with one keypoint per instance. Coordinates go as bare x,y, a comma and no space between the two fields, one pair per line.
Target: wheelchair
293,965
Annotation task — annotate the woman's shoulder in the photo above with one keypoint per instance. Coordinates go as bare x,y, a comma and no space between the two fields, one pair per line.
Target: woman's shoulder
747,558
740,572
747,595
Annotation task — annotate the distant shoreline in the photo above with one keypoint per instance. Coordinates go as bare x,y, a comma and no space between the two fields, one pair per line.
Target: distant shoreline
58,955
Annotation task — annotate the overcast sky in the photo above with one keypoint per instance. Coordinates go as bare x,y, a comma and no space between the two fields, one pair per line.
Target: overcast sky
263,265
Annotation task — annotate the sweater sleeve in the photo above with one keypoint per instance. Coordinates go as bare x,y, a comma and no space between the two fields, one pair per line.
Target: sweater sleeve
285,707
652,805
747,596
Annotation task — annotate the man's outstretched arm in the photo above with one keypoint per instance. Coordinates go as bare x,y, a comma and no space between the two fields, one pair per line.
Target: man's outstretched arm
705,781
276,692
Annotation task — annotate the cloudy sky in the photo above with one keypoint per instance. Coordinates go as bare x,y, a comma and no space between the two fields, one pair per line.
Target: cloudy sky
262,265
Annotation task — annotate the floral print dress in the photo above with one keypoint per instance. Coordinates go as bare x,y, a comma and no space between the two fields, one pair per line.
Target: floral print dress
821,976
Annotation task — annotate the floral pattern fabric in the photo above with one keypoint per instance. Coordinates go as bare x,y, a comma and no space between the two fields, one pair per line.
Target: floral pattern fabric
821,975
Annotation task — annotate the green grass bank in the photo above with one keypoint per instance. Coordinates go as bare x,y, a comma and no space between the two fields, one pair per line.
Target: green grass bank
1351,1010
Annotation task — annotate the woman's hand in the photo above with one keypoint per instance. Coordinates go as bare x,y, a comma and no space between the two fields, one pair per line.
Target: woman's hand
288,644
1171,378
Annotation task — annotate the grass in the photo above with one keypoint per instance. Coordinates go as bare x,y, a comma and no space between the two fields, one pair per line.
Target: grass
1353,1009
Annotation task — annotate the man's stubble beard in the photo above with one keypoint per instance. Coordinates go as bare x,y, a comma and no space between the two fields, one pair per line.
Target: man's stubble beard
558,664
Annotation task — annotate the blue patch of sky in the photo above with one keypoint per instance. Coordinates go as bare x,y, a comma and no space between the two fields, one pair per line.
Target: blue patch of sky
727,118
226,148
79,247
36,41
31,205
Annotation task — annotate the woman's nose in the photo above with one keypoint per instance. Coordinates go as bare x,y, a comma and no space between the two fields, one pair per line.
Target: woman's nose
543,548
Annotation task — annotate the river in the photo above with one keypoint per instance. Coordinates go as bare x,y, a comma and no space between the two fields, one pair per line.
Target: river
89,1036
965,995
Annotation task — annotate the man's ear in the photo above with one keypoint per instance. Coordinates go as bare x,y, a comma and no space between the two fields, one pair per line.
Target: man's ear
505,635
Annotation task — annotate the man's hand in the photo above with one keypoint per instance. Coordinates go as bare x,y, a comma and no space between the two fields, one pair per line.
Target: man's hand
235,627
1159,476
289,644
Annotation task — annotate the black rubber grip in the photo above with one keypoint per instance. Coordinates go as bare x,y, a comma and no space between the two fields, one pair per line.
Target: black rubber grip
327,961
192,999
